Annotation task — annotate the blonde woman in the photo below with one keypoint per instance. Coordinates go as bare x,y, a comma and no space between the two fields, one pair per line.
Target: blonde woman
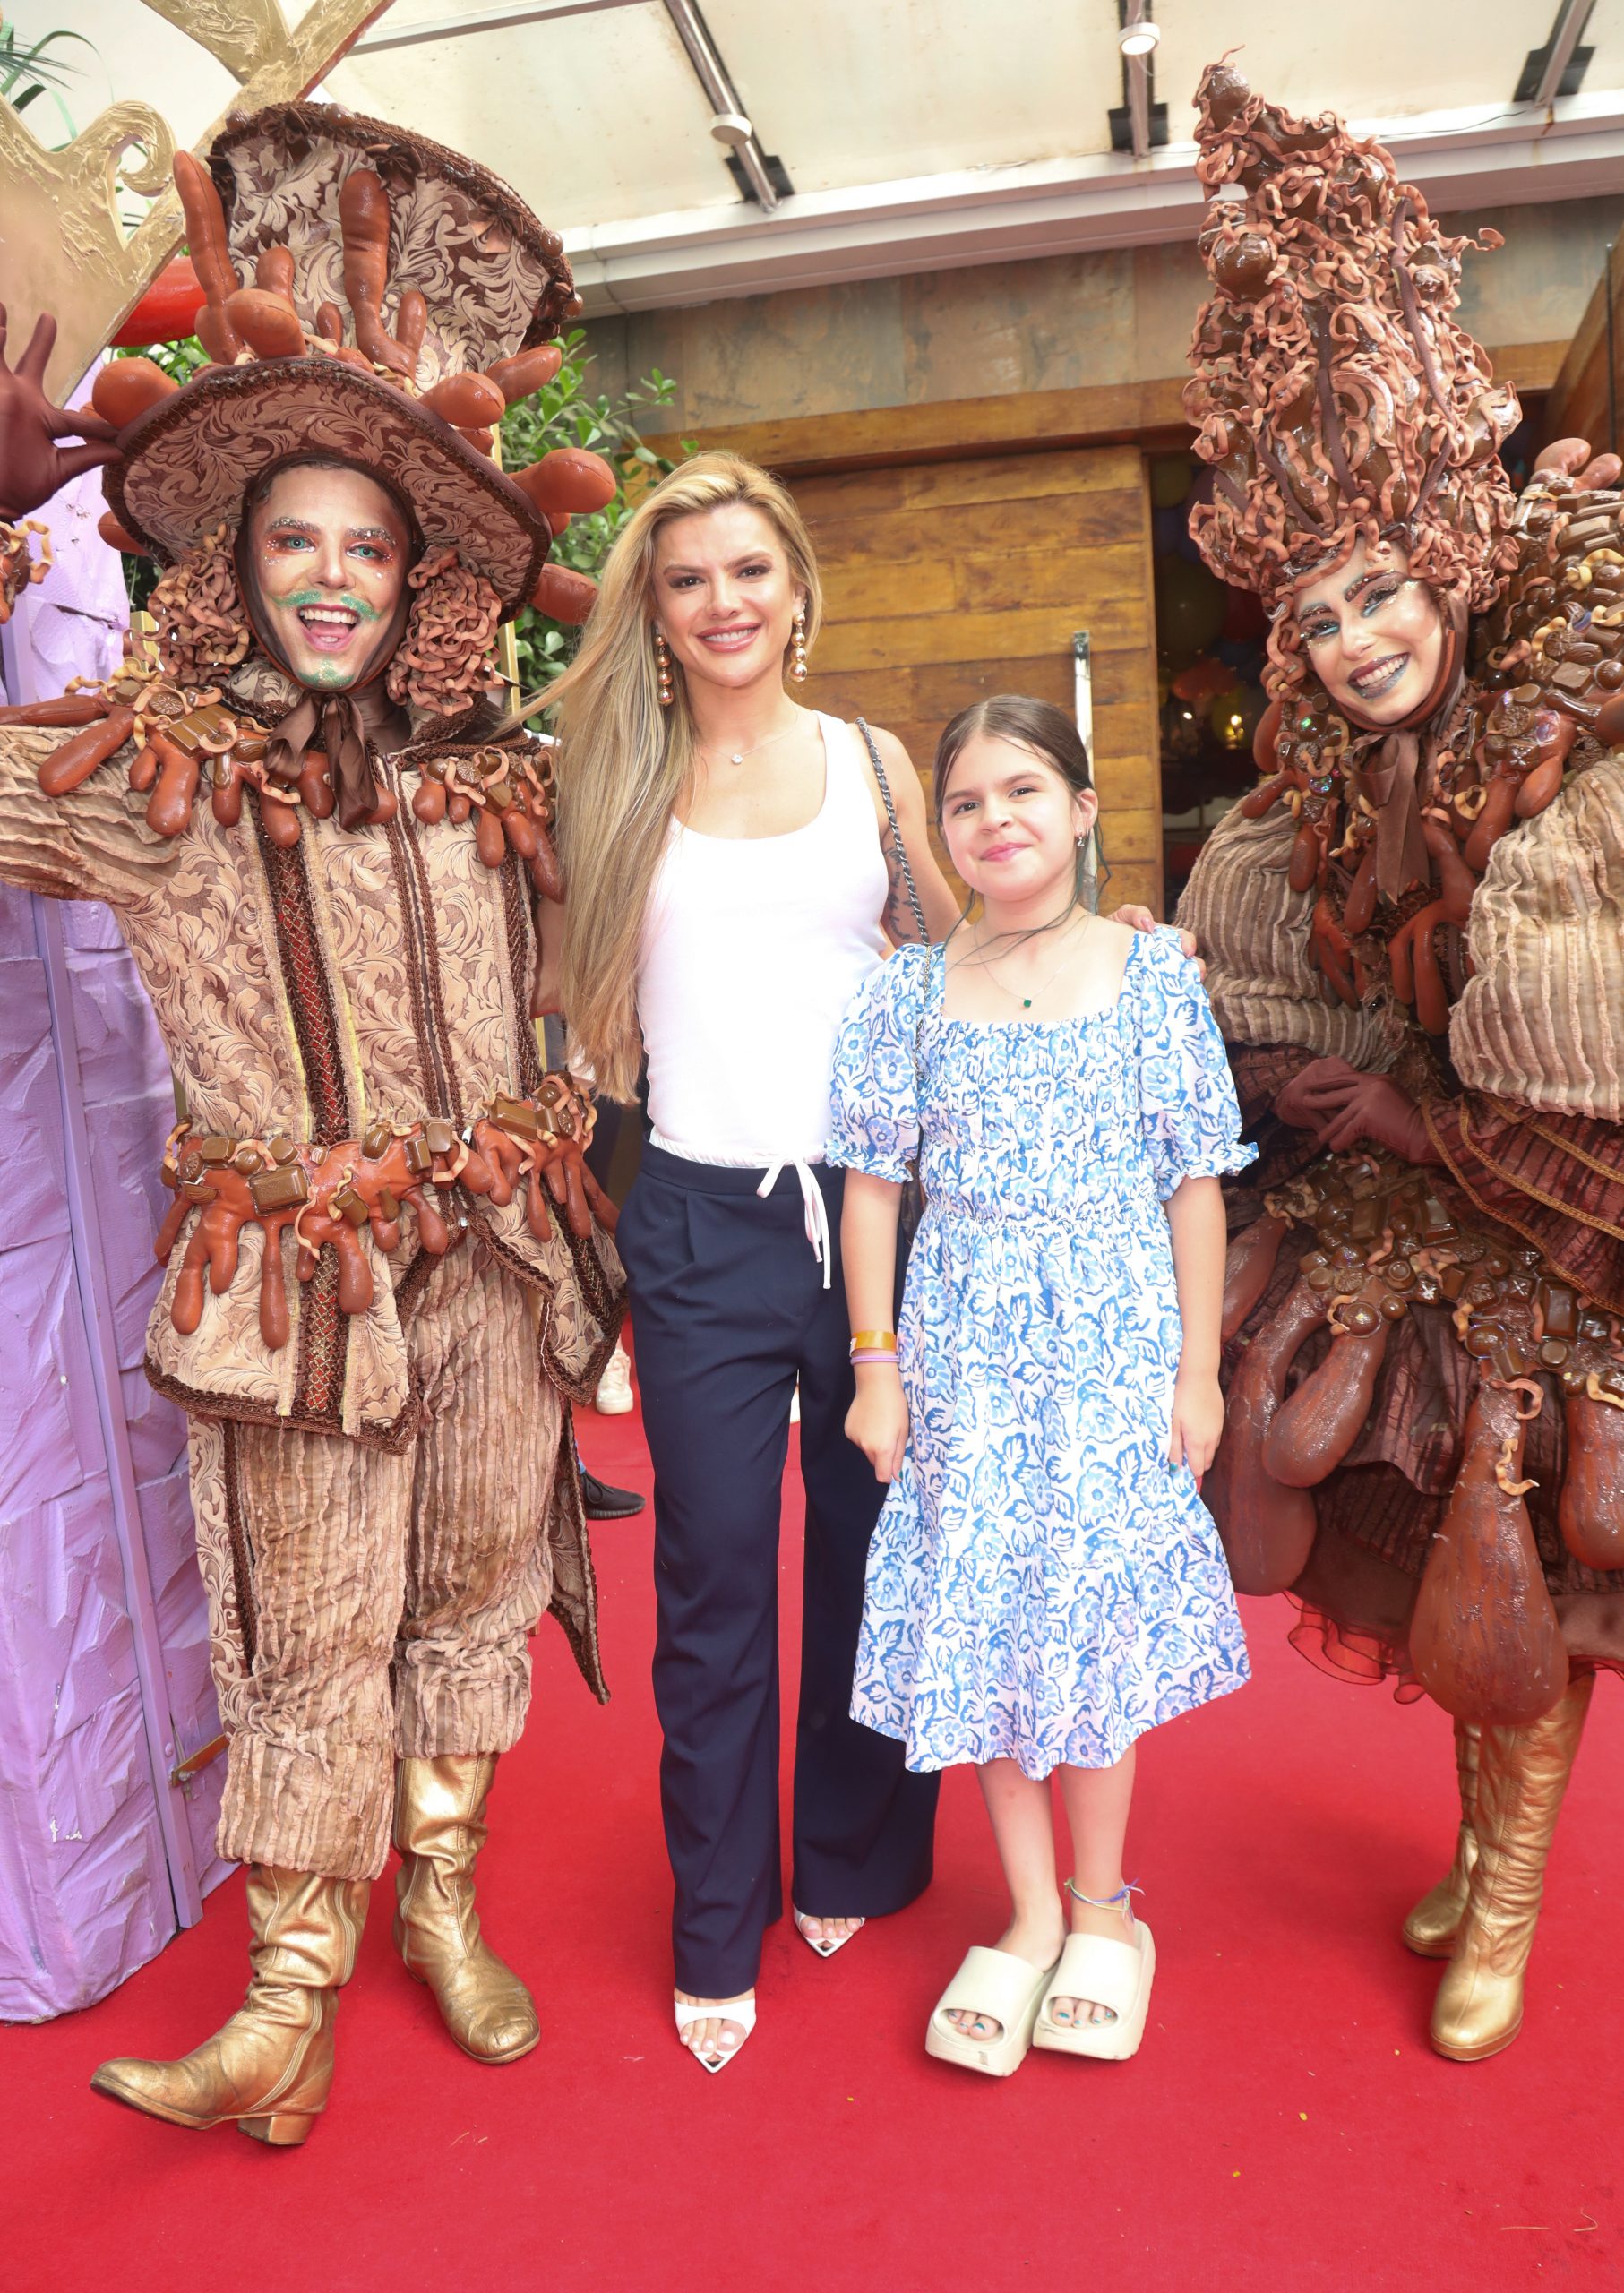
733,876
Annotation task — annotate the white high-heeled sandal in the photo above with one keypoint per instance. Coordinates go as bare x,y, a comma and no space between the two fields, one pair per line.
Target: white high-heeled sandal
825,1946
741,2011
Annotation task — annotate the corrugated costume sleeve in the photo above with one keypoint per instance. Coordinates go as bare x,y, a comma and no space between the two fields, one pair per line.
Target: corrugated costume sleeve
93,843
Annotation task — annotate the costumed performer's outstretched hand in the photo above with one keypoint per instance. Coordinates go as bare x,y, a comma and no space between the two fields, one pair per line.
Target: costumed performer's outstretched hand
32,465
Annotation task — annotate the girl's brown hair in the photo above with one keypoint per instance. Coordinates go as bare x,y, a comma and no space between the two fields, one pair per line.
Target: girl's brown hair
1036,725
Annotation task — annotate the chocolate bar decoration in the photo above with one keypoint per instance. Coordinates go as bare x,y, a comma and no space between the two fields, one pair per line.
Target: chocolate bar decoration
280,1189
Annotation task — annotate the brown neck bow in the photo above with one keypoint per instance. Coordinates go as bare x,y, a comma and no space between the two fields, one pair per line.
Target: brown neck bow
330,721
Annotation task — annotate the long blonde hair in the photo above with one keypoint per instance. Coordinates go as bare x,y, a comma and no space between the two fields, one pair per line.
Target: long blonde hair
624,762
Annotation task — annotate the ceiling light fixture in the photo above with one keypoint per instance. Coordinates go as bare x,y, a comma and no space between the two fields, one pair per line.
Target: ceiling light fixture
1139,36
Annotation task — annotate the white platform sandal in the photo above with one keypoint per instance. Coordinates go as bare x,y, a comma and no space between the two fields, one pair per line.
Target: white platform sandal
825,1946
1116,1975
999,1988
741,2011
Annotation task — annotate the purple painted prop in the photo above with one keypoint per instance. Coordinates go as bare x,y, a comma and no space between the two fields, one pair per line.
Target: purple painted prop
104,1673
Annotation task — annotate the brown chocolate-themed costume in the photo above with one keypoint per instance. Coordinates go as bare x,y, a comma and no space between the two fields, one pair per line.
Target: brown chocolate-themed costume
385,1281
1425,1363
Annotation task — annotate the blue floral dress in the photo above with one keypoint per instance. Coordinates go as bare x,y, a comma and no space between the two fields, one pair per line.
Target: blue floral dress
1043,1584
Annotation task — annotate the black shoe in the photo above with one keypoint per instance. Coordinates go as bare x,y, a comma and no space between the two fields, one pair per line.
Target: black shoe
603,1503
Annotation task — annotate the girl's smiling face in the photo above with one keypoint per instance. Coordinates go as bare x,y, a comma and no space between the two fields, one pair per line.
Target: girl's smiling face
724,595
1372,636
1010,821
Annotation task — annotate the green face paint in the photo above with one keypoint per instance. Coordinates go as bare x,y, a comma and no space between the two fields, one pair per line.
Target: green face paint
352,604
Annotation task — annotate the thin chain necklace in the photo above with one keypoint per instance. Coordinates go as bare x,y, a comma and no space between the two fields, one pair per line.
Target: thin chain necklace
1026,1002
738,755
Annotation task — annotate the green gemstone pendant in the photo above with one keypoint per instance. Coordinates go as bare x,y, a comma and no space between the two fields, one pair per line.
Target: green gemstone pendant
1026,1002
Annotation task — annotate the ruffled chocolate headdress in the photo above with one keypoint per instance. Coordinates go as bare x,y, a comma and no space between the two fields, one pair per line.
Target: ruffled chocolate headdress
1337,398
1334,393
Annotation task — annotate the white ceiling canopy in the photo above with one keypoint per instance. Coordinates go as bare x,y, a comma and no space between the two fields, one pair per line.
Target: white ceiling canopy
875,137
938,133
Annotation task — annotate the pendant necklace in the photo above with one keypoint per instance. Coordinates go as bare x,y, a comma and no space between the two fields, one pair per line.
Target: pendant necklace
1043,988
738,755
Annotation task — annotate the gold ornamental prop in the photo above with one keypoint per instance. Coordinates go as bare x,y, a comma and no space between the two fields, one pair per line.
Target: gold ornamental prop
62,247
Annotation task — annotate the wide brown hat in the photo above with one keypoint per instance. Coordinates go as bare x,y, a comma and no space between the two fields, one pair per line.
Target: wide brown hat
388,276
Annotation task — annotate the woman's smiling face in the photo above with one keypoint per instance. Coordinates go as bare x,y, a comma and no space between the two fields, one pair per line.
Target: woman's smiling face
1372,636
330,554
724,595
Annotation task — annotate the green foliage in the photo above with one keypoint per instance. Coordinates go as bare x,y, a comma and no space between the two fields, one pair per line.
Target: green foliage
28,72
563,414
180,360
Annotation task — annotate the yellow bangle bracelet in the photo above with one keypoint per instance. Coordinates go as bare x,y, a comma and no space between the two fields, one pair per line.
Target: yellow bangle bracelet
871,1341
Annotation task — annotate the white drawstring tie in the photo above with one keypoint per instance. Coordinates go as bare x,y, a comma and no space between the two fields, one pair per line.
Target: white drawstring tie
815,1212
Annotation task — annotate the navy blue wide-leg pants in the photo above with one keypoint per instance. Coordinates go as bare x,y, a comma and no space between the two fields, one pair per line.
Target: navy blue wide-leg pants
729,1309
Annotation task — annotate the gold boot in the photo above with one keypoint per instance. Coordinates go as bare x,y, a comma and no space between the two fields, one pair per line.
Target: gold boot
439,1829
1433,1926
270,2067
1522,1775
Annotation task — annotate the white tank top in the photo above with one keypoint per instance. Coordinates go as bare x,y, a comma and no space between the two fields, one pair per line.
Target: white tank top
752,948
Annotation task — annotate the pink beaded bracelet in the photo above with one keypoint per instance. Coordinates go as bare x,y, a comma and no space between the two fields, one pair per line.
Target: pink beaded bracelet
869,1353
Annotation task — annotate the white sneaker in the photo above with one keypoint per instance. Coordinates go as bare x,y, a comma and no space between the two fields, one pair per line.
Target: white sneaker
613,1395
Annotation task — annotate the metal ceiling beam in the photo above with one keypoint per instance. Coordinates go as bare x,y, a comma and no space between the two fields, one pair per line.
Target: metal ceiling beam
489,20
1137,70
1474,157
1566,34
723,98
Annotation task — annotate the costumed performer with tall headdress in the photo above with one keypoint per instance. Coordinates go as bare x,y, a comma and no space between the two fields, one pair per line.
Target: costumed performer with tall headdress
1415,930
331,862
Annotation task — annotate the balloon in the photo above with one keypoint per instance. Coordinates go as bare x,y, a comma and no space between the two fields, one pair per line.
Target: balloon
1167,531
1203,681
1245,659
1170,480
1189,607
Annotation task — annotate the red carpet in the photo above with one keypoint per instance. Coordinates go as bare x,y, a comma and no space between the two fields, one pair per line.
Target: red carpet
1283,2127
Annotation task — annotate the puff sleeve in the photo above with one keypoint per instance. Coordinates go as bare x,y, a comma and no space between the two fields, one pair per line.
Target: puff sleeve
1188,1106
874,1091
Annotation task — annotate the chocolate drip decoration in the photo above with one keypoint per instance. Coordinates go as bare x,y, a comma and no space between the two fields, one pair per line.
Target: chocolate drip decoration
329,1196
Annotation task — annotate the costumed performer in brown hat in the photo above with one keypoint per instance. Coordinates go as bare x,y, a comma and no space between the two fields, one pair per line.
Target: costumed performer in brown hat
331,861
1415,933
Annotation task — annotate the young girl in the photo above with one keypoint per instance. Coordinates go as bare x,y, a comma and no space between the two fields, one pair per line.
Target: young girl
1044,1583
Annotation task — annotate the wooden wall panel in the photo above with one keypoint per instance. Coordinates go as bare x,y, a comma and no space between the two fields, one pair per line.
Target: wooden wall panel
945,581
